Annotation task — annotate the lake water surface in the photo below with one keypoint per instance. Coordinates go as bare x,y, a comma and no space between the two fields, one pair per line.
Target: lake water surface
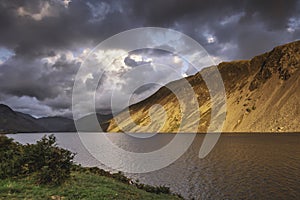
241,166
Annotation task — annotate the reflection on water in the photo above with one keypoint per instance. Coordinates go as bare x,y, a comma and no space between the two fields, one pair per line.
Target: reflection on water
244,166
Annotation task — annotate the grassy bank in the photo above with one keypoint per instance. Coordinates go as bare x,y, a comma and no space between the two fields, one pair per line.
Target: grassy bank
81,185
46,171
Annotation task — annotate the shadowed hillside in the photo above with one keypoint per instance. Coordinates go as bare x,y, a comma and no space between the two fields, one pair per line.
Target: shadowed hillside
12,121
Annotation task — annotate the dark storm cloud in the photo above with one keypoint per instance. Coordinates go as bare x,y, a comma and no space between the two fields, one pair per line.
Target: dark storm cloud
132,63
144,53
64,28
34,30
23,77
275,14
80,25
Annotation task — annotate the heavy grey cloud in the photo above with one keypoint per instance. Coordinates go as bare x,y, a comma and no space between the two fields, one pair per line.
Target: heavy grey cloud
47,40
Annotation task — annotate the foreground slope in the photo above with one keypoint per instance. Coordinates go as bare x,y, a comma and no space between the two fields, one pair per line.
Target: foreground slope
262,95
81,186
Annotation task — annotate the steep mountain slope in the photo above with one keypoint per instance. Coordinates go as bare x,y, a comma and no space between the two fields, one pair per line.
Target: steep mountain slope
262,95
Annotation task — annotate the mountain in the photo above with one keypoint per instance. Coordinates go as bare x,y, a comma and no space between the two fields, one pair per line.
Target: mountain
262,95
88,126
12,121
57,124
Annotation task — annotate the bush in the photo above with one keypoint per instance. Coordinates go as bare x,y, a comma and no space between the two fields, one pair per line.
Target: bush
153,189
121,177
10,157
52,164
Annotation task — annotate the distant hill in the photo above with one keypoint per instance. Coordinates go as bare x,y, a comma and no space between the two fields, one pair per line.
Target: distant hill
57,124
88,126
12,121
262,95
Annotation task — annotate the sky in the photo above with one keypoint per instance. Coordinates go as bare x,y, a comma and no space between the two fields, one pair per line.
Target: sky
44,42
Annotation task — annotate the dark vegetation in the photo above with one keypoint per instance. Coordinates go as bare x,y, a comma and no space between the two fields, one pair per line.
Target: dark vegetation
49,163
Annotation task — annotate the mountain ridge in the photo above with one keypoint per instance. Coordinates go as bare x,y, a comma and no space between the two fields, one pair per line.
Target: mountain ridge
262,95
12,121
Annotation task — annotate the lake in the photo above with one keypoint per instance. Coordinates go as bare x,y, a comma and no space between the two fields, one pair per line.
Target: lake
241,166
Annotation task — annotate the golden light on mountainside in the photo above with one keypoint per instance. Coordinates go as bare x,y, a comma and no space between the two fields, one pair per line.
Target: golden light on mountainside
262,96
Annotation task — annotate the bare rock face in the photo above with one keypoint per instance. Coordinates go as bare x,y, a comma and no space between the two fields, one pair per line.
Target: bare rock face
262,95
282,61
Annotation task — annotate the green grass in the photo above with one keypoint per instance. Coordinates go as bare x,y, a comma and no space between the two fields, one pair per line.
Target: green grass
82,185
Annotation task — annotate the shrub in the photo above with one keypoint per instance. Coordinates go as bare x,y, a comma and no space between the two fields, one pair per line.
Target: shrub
153,189
48,162
121,177
52,164
98,171
10,157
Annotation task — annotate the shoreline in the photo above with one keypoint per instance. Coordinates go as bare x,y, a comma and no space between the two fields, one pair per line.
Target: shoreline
201,133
